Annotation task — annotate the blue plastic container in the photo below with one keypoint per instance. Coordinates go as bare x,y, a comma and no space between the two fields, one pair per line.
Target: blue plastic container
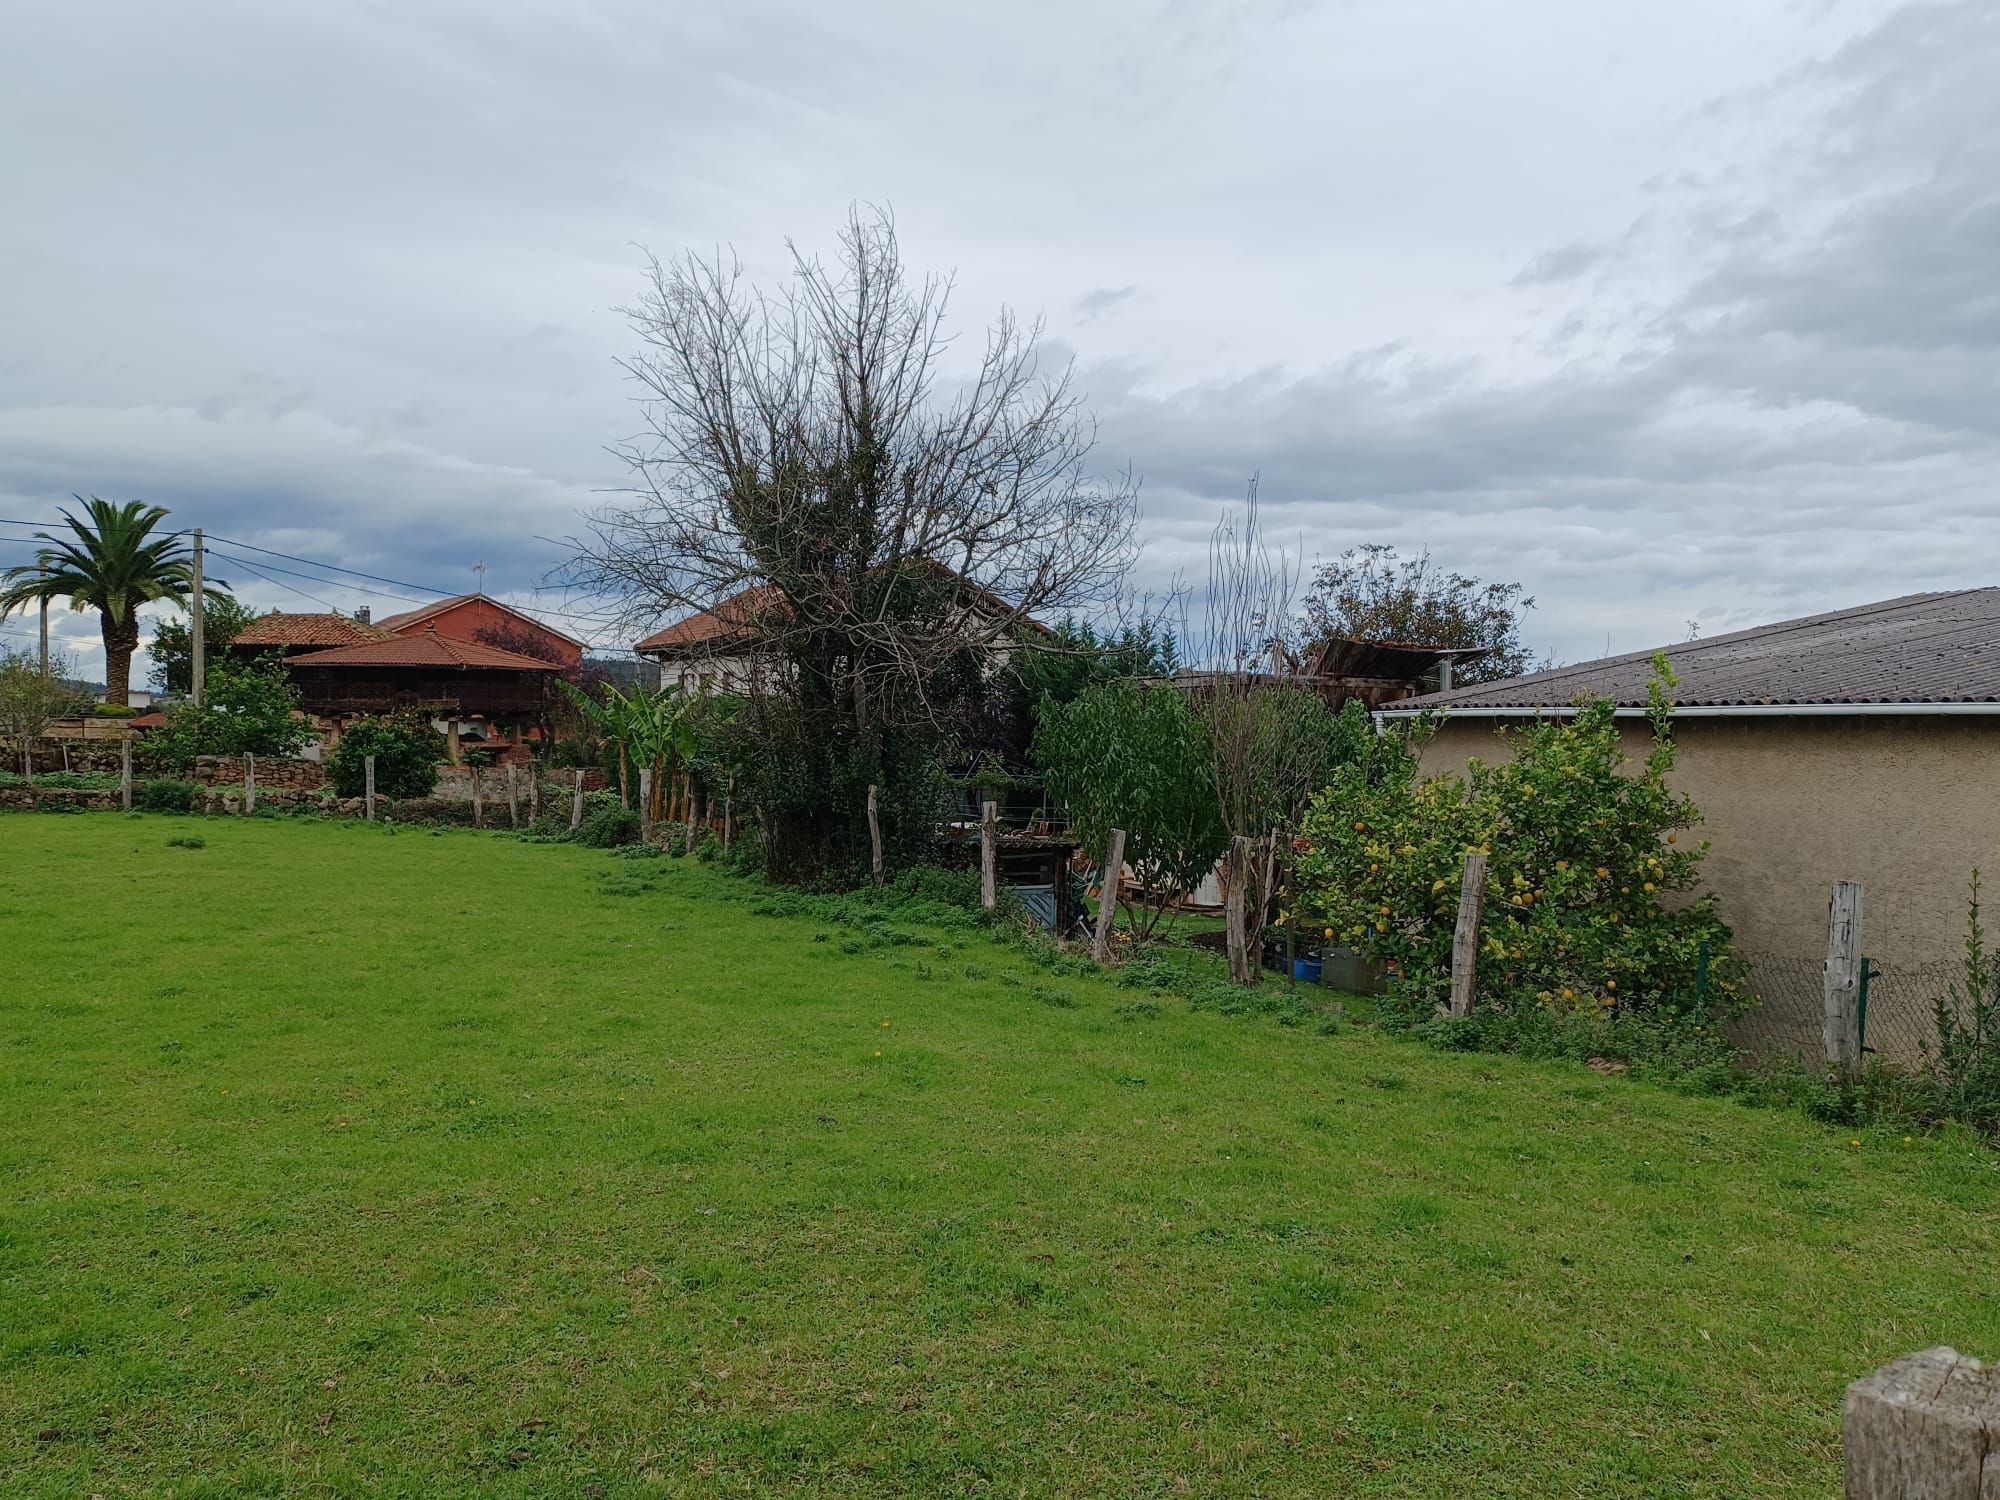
1306,970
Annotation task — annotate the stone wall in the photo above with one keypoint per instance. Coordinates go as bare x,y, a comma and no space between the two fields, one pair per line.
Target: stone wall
274,773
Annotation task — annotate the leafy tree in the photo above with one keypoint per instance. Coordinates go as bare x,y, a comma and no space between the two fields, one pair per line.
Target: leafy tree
113,561
1593,899
223,619
1075,657
248,708
1372,594
1125,755
31,700
407,755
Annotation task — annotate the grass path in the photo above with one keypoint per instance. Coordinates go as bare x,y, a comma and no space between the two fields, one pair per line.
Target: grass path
342,1162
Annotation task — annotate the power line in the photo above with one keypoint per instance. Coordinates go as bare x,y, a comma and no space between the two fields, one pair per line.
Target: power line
313,562
310,577
278,583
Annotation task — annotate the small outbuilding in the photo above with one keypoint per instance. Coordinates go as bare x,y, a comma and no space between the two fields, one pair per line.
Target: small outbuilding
1862,744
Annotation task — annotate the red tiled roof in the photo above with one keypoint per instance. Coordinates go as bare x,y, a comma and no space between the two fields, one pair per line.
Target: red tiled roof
280,629
425,649
717,628
397,624
710,626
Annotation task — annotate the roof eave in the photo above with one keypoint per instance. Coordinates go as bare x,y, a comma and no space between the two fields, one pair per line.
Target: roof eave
1952,708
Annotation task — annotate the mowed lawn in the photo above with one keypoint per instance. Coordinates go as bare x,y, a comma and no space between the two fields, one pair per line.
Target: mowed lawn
336,1161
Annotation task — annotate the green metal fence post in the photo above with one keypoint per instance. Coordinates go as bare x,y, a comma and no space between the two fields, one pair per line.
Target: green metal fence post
1861,1008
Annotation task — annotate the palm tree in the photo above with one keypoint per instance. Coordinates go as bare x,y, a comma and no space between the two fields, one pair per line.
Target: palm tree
113,562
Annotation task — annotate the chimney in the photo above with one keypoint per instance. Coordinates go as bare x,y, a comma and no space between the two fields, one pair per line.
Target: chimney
361,614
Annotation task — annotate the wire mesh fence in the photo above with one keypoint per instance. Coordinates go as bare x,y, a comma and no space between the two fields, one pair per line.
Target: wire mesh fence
1898,1026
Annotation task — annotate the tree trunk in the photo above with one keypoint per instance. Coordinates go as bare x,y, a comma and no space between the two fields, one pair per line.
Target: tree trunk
120,641
1242,960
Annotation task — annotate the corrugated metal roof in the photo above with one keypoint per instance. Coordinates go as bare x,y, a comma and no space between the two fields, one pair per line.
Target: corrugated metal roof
1921,649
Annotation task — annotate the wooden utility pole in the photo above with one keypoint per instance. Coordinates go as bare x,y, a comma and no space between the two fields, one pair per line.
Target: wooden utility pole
645,804
125,770
1922,1428
1107,895
1465,936
198,667
1841,1027
368,785
45,634
989,855
576,805
249,783
875,837
513,797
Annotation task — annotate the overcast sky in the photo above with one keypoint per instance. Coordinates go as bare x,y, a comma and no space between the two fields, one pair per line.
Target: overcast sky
1673,310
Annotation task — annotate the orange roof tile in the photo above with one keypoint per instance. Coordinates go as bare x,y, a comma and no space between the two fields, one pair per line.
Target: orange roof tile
280,629
425,649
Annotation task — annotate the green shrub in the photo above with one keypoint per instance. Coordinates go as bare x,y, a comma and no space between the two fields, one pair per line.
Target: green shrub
114,711
609,827
247,707
165,794
1582,859
709,849
189,841
1962,1074
59,805
407,754
63,781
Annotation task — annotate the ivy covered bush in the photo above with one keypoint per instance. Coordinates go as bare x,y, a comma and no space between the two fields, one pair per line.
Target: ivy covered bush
1594,904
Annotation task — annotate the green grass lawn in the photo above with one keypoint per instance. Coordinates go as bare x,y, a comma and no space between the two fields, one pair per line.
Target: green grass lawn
336,1161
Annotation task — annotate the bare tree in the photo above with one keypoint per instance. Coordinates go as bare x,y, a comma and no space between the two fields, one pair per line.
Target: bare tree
1270,739
858,521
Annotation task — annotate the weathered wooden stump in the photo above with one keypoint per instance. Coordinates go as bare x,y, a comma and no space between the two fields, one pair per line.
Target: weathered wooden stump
1926,1427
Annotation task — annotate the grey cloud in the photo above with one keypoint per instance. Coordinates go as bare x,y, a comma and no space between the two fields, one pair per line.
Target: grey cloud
1101,300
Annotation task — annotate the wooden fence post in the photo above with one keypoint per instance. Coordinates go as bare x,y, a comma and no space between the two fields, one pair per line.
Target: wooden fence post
989,854
875,837
576,805
368,785
1465,936
1842,1021
1107,896
1921,1428
688,808
534,794
478,800
125,770
645,804
729,815
249,783
513,797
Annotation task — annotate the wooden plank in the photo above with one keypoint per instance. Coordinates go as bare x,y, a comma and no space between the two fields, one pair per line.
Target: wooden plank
1923,1428
1465,935
368,785
576,804
1107,895
875,836
989,855
1841,1023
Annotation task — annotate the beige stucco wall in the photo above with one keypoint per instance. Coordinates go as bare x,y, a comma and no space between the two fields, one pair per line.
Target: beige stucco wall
1906,805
